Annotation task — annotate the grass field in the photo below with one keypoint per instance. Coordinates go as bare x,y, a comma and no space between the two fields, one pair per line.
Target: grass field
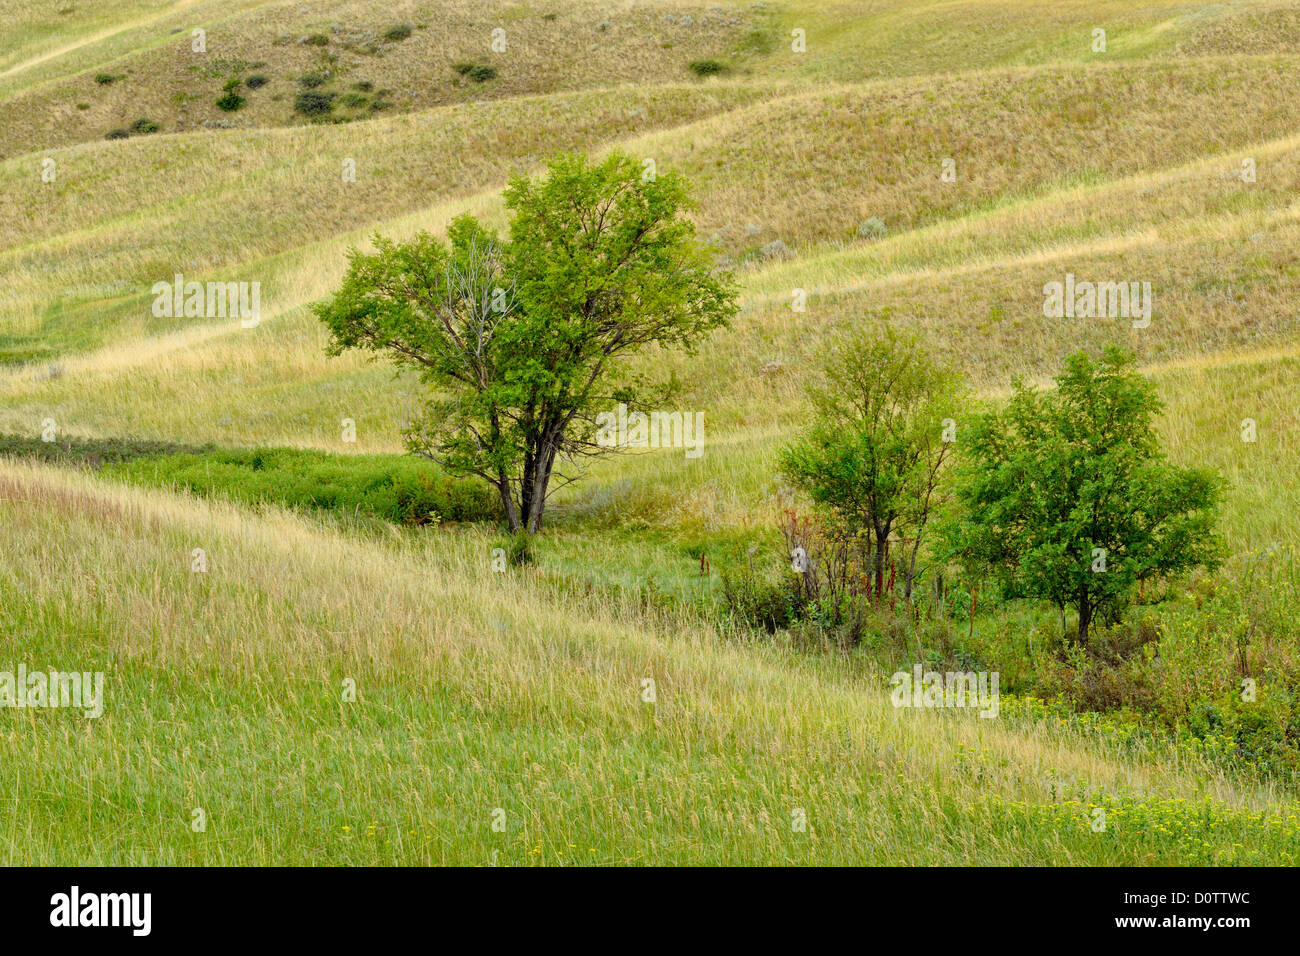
499,718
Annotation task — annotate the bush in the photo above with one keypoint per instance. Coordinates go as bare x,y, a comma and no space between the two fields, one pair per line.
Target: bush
364,86
231,102
706,67
103,79
316,39
399,32
144,126
520,550
256,81
760,602
116,134
873,228
478,72
354,100
310,81
312,103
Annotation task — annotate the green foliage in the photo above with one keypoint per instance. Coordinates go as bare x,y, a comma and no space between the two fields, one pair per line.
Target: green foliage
396,488
1066,495
771,604
353,101
313,103
478,72
118,133
874,452
872,228
144,125
312,80
230,102
104,79
520,550
257,81
521,342
398,32
706,67
317,39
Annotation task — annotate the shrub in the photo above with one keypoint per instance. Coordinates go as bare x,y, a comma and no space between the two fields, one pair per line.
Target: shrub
144,125
256,81
310,81
232,84
354,100
230,102
706,67
873,228
761,602
103,79
312,103
364,86
399,32
478,72
520,550
116,134
316,39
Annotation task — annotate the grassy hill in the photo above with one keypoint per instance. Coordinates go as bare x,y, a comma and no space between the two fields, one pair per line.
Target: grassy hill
522,691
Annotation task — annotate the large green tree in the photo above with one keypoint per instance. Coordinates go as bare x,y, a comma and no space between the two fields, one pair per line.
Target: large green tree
1066,494
523,341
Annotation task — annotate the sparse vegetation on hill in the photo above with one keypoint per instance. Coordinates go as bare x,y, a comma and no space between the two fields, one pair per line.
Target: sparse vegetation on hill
909,177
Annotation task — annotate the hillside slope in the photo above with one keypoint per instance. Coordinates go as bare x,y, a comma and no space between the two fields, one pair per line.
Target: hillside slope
817,172
224,692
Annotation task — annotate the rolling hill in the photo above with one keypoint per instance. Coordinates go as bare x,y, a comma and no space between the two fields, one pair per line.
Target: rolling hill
817,170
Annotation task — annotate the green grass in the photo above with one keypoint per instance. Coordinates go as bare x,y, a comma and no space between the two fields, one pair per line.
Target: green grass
520,689
400,489
478,690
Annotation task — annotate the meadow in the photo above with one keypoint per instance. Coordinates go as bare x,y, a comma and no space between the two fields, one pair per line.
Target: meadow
353,681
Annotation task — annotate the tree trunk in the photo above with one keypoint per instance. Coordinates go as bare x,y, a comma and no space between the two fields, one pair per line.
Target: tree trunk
882,549
1085,616
526,487
508,505
544,462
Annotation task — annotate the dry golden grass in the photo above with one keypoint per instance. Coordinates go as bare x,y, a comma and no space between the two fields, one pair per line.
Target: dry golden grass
546,51
481,690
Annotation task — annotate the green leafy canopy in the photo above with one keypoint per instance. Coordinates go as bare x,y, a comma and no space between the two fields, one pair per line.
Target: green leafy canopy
1066,495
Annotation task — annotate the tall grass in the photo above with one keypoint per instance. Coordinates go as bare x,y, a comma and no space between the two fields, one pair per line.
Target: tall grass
475,691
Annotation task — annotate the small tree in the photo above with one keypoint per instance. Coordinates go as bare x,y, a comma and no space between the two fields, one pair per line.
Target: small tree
522,342
875,451
1066,495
